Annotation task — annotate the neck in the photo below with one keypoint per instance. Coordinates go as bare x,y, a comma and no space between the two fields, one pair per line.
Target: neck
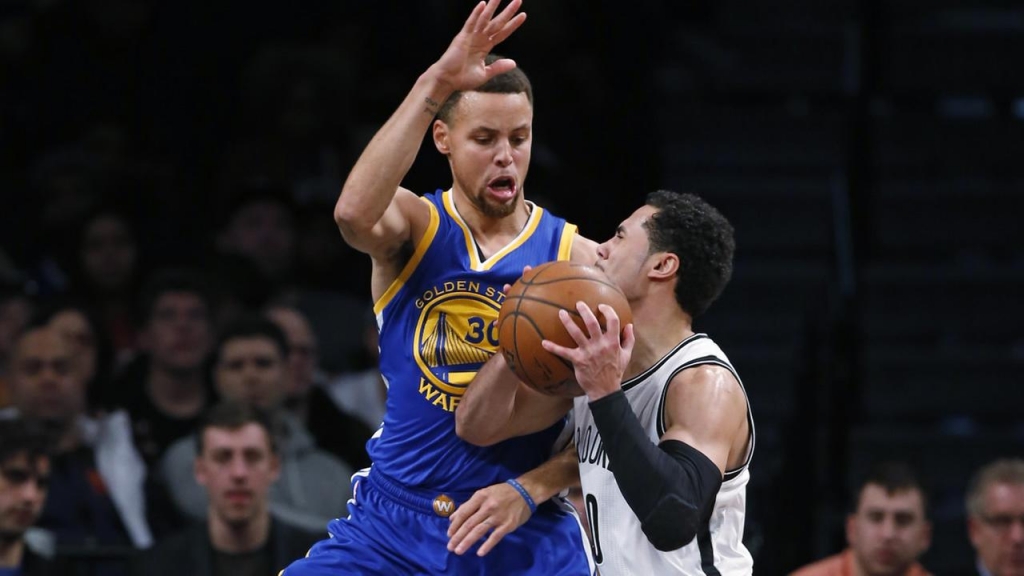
485,227
11,551
176,394
664,325
239,538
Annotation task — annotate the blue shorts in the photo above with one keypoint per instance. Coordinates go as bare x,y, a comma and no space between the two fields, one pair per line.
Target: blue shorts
392,531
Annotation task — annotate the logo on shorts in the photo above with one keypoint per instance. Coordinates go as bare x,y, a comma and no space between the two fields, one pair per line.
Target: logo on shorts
444,506
455,334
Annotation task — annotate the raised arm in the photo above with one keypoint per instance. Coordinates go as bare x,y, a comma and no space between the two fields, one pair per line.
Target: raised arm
374,213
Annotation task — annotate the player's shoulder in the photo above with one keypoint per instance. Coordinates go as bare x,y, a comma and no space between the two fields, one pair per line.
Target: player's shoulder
584,250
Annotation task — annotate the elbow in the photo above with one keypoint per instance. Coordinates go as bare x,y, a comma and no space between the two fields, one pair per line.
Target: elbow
465,430
346,215
672,525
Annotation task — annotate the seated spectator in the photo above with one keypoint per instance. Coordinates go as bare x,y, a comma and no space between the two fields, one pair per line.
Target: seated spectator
334,430
24,475
236,461
995,517
361,392
887,531
165,390
97,502
249,366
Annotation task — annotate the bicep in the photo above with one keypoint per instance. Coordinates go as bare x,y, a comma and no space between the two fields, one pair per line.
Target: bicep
705,408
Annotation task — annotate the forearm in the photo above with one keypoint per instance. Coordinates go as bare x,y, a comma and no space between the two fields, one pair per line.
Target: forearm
379,171
549,479
670,487
486,408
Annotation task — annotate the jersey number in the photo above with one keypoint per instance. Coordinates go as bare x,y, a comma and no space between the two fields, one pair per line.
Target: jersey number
478,327
595,536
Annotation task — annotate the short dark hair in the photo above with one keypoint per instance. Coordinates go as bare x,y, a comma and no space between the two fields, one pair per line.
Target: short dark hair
893,476
701,237
251,325
173,280
233,416
512,82
19,436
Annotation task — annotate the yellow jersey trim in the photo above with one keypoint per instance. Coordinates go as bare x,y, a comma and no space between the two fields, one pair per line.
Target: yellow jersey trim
474,257
410,266
565,246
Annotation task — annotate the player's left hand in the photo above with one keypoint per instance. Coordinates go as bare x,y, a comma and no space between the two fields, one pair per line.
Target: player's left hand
601,356
498,509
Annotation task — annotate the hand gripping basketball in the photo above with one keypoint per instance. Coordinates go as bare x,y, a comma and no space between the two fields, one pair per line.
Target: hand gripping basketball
529,315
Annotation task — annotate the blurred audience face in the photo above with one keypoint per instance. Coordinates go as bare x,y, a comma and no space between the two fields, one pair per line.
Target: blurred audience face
15,312
263,232
252,370
303,353
997,529
23,483
108,253
178,334
74,327
888,531
45,385
237,468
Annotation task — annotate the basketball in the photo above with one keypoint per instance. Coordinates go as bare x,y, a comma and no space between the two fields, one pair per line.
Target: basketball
529,314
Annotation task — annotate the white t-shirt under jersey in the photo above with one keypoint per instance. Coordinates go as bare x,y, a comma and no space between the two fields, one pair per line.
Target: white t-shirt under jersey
620,546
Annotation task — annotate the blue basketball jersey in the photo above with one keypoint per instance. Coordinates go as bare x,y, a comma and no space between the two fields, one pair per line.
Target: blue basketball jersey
438,325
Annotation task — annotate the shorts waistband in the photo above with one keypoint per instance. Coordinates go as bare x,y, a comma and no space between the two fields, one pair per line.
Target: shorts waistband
419,500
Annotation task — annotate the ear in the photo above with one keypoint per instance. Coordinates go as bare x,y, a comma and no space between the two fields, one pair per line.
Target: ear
199,470
275,467
441,137
972,530
851,529
665,267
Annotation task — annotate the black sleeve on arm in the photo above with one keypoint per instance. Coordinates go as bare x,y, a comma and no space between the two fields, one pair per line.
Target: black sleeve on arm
669,487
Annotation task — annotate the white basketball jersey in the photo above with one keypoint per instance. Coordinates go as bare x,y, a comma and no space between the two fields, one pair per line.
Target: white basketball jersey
619,545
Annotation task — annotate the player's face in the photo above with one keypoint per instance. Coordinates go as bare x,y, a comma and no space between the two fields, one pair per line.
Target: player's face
888,532
488,146
625,255
22,492
45,383
237,468
252,370
998,533
179,333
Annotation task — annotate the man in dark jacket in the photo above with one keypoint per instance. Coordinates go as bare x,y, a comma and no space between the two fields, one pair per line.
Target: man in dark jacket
237,461
24,474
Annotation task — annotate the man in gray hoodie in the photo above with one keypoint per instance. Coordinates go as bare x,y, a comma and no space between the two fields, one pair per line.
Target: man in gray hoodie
249,366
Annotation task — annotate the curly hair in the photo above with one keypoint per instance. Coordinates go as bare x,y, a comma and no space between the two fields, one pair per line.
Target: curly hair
512,82
701,237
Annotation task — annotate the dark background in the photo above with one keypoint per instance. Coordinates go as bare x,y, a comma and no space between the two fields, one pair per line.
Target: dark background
870,155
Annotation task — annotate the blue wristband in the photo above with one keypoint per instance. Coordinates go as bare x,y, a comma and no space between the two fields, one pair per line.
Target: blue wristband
522,492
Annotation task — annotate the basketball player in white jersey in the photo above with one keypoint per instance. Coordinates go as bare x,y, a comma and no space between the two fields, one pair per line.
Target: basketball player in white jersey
664,433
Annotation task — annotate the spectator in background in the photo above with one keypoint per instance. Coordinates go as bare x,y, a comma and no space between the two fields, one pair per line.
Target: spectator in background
107,274
995,517
165,390
887,531
362,391
97,497
15,311
259,227
250,366
90,347
336,431
24,476
237,461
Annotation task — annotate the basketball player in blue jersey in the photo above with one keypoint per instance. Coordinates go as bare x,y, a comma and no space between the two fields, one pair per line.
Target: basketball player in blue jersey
664,432
440,263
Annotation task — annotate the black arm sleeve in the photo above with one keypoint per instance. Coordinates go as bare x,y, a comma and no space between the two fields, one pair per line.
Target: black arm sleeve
671,487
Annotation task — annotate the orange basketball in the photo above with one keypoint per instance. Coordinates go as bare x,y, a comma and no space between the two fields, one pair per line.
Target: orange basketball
529,314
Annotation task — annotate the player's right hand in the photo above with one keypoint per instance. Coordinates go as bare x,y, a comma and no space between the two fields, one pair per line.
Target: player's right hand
462,66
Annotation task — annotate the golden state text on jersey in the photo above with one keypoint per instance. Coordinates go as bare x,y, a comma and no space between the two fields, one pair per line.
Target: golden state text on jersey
437,325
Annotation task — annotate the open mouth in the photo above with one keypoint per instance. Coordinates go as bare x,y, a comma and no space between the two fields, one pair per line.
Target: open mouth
502,188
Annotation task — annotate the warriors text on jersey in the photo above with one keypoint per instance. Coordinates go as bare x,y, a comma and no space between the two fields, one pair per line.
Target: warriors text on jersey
619,544
437,325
